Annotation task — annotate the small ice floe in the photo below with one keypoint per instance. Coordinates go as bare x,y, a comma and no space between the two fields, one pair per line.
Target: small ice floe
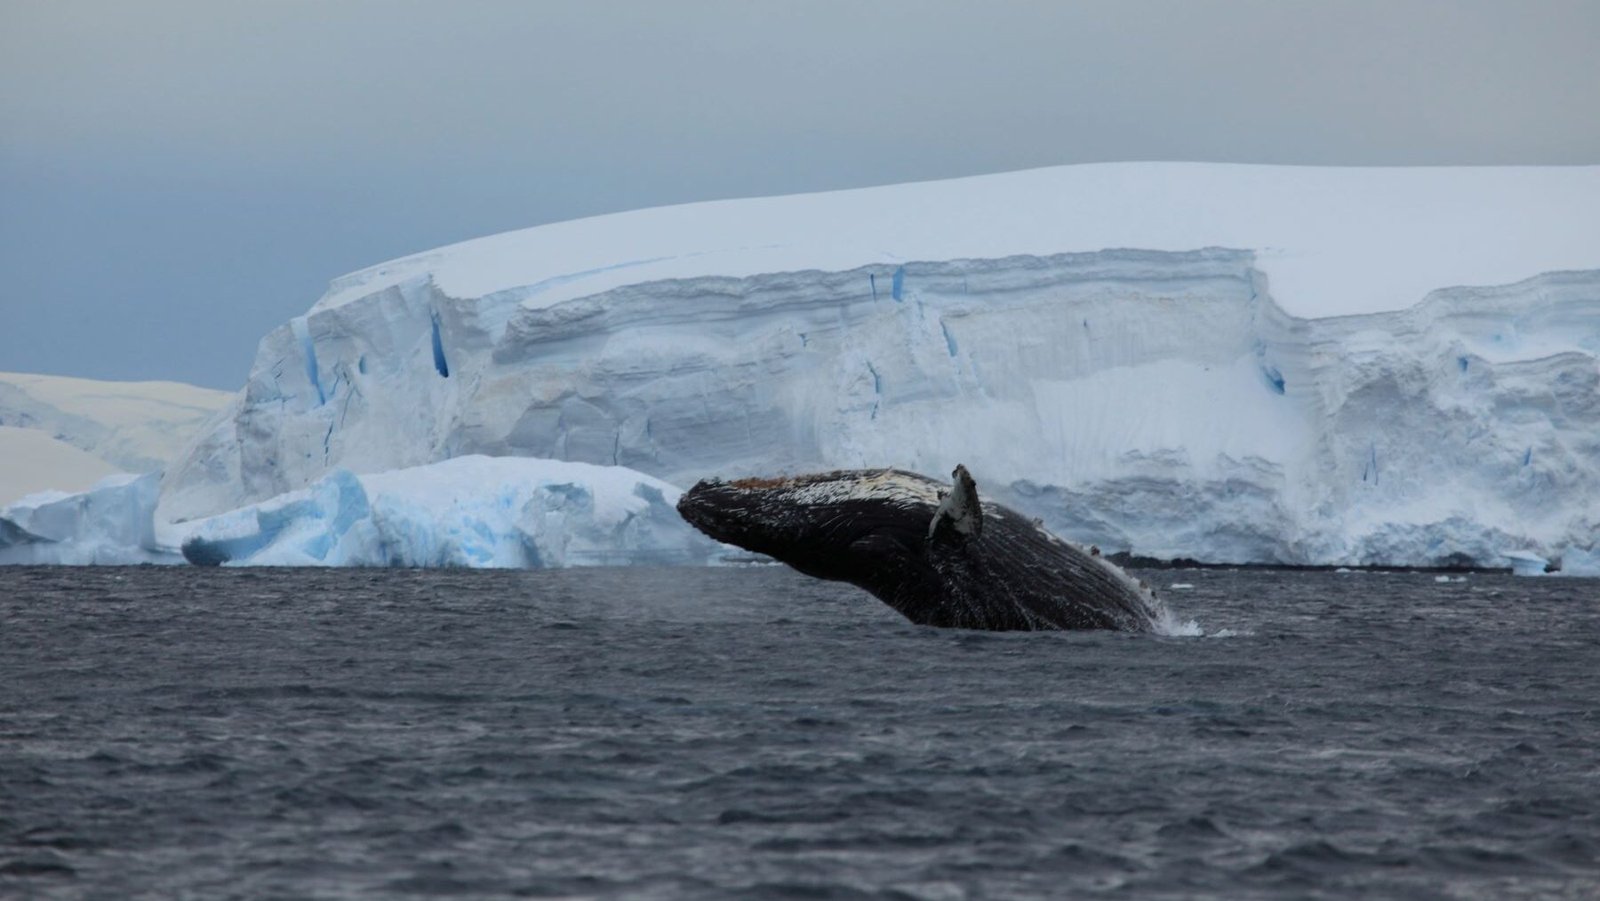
1179,586
1443,579
1344,569
1525,563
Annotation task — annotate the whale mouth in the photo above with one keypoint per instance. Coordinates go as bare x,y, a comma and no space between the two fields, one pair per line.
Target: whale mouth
700,509
752,516
708,507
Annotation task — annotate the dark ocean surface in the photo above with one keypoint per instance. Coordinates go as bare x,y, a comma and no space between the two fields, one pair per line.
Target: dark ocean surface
710,733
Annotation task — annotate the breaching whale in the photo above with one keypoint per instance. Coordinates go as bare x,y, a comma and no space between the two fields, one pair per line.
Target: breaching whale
938,555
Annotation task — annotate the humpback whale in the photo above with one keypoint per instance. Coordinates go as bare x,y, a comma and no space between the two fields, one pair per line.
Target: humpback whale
936,554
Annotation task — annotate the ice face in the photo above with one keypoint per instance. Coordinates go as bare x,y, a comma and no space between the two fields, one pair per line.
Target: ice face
1160,402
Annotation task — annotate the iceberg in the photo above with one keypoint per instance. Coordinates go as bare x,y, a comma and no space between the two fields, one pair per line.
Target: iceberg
468,511
1231,363
111,523
1526,564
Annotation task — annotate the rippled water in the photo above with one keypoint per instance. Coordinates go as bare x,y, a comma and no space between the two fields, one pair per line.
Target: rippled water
752,733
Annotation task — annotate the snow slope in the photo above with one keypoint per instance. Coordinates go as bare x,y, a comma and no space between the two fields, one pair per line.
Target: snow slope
1237,363
132,426
1331,240
31,461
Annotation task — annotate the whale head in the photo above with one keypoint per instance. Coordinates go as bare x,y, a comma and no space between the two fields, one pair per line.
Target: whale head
833,525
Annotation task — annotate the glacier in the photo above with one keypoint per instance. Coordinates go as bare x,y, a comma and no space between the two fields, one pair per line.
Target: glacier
1237,364
59,433
132,426
35,461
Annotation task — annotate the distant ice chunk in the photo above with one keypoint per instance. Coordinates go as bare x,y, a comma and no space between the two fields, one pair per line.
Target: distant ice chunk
1524,563
467,511
108,524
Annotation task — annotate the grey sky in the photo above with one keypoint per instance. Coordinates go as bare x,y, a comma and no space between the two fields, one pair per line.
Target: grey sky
176,178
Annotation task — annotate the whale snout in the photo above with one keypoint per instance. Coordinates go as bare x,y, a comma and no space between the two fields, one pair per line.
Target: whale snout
695,506
712,506
751,513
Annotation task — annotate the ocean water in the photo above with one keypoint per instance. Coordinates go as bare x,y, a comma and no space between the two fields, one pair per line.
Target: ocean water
711,733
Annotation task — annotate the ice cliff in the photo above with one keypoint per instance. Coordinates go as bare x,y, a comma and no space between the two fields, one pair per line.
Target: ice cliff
1232,363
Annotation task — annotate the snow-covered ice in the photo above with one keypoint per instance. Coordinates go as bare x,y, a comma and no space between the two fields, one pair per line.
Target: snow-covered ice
71,451
1527,564
111,523
64,434
1333,240
467,511
132,426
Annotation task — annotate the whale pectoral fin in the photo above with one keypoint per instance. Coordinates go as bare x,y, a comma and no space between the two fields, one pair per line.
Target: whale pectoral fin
959,511
884,554
874,545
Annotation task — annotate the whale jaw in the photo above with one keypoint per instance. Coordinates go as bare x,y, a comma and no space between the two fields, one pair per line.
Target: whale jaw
833,525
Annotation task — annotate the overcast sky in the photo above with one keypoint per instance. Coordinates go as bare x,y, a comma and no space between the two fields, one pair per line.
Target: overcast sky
177,178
